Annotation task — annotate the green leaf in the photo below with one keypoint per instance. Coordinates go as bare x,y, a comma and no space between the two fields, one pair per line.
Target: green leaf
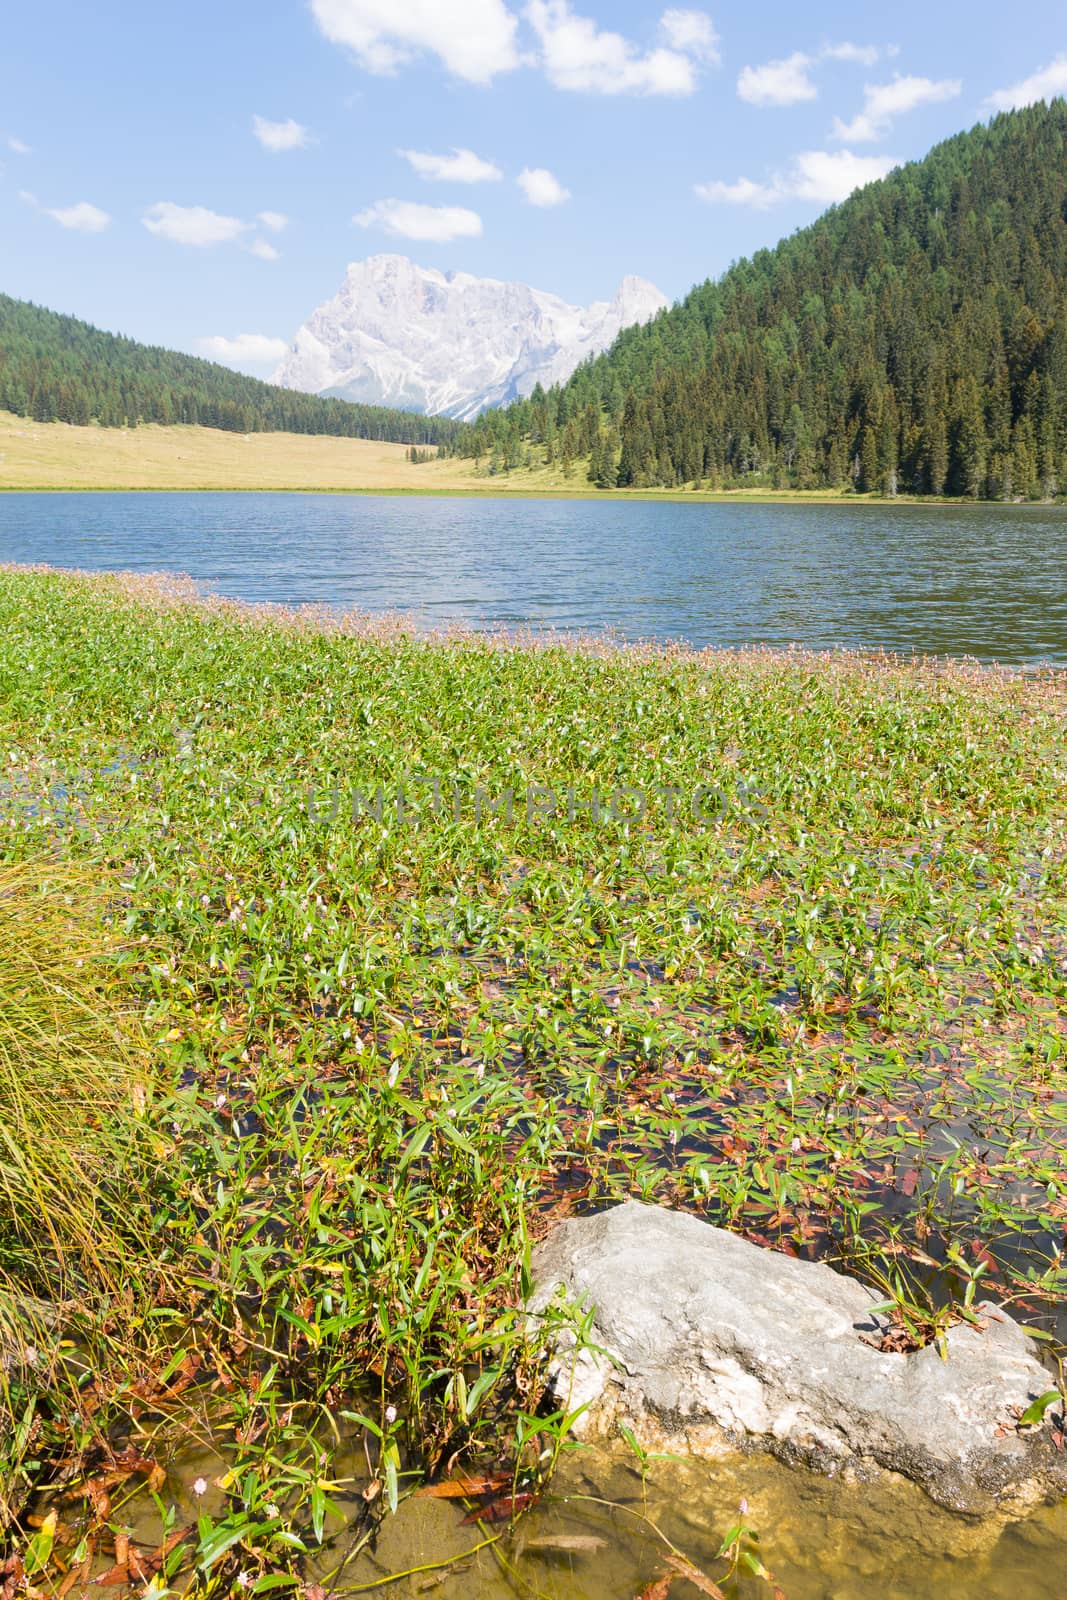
731,1538
1035,1412
390,1466
415,1146
364,1422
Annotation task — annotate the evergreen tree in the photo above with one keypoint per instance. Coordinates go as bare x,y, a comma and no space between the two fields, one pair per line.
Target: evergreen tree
55,368
915,336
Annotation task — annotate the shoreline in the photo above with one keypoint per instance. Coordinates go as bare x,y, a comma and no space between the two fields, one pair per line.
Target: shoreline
784,497
169,588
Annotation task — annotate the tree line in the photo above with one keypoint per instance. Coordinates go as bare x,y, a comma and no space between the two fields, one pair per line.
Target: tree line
58,369
914,339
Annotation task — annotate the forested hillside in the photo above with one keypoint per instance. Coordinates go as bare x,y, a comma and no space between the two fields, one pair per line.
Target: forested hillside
57,369
913,339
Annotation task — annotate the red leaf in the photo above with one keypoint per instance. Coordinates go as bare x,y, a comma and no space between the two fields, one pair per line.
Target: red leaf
658,1589
503,1509
909,1182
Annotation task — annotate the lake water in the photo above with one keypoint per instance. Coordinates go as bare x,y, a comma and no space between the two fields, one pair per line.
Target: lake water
985,581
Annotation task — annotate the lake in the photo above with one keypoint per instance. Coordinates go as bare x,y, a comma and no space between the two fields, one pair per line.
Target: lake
987,581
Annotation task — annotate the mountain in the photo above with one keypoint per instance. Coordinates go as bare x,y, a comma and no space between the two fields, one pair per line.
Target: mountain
55,368
448,343
913,338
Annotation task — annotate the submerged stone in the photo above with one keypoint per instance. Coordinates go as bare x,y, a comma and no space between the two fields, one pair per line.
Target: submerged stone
700,1340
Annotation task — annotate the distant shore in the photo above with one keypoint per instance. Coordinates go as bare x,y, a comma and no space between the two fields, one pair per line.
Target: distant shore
55,457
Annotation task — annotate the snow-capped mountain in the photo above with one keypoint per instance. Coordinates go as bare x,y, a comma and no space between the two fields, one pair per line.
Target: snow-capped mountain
448,343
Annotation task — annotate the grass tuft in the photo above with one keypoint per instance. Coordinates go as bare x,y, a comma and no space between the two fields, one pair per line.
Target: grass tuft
71,1083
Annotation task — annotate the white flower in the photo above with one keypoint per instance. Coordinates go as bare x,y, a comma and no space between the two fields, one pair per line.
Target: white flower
390,1415
200,1487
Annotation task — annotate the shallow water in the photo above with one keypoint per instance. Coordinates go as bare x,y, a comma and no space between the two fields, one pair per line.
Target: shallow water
822,1539
986,581
593,1536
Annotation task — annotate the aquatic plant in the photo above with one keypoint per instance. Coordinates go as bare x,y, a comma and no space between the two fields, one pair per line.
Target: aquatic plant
813,988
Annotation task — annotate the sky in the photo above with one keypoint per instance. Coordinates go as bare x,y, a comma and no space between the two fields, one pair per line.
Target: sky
199,175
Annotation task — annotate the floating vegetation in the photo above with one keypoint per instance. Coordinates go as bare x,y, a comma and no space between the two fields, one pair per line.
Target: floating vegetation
821,1004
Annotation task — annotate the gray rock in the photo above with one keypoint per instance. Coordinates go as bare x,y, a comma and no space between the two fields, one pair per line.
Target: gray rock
706,1341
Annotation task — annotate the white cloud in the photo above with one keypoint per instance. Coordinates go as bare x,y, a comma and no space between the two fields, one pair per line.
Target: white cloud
865,54
18,147
277,136
247,349
824,176
82,218
692,32
778,83
406,219
194,225
462,166
884,102
1044,84
264,250
831,176
541,187
474,39
743,192
275,221
580,56
788,81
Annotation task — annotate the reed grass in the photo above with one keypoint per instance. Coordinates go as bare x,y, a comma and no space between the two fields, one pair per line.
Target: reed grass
72,1080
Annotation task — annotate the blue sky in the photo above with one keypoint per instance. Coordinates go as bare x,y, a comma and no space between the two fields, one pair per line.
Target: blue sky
204,173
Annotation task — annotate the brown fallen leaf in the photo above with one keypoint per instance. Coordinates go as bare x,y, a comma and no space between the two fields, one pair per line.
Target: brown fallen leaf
138,1568
12,1577
698,1579
114,1578
658,1589
79,1573
97,1489
465,1488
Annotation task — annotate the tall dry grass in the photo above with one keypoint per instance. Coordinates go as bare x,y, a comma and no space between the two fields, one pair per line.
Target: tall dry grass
71,1096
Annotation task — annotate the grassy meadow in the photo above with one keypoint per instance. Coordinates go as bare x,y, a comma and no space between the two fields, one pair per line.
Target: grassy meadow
55,455
778,938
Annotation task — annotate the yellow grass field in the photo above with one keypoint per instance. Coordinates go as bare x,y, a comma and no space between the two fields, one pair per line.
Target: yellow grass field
53,455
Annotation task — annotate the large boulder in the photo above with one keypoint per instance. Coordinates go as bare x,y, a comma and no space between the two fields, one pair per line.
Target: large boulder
700,1341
